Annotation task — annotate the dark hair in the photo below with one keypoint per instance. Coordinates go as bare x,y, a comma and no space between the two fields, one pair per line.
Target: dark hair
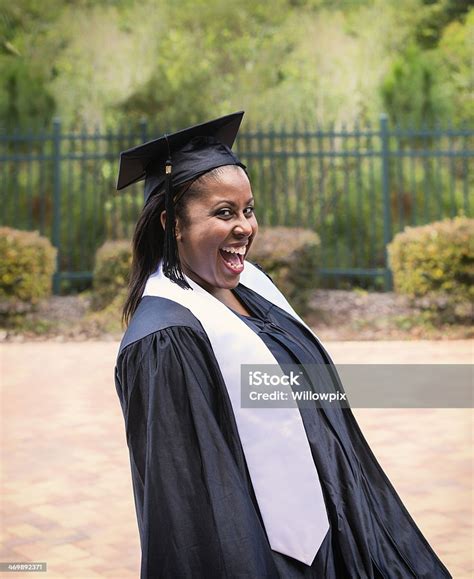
148,237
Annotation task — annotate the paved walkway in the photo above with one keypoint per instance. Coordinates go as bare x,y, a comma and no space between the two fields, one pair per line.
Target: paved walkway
67,497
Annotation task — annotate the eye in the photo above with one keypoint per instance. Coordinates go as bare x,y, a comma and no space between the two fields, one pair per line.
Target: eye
225,212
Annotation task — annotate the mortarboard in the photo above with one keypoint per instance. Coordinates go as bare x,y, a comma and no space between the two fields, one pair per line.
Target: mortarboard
175,159
189,150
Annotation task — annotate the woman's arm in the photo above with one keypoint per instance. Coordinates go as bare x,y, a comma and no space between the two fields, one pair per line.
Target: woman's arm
192,495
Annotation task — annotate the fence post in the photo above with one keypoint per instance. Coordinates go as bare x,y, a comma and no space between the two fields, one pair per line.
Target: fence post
387,217
144,138
56,233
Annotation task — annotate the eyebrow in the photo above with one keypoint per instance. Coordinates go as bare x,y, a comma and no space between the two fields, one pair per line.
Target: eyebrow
251,200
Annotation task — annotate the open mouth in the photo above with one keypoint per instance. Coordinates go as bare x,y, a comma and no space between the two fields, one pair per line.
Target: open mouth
234,260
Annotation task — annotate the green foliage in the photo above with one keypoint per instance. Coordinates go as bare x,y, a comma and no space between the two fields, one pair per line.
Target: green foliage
435,260
112,62
430,78
411,92
111,273
291,257
435,15
25,71
454,62
201,58
24,99
27,264
291,62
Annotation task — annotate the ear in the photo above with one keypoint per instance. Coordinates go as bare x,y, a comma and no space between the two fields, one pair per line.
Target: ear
177,227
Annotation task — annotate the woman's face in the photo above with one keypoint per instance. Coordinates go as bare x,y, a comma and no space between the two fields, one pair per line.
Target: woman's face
218,232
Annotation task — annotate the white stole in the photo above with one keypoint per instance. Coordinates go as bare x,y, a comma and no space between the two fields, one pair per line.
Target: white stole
276,448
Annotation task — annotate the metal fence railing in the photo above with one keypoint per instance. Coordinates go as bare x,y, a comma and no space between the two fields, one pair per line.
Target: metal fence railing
355,187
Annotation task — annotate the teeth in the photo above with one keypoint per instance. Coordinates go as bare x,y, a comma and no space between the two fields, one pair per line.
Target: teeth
239,250
233,266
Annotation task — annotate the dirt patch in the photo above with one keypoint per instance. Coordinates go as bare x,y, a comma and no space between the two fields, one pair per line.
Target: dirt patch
360,315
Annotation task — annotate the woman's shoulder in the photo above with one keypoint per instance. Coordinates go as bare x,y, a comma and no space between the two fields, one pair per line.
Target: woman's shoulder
156,314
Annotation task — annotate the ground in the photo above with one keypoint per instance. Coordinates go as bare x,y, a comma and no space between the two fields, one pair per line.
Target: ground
67,495
333,314
362,315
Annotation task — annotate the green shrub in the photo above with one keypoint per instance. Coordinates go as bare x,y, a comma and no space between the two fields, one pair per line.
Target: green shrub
111,272
435,260
291,257
27,263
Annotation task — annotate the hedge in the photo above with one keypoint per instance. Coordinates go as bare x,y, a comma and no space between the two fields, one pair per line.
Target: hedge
27,264
113,261
435,260
291,257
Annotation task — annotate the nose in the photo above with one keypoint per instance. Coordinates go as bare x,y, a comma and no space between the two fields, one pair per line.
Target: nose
243,228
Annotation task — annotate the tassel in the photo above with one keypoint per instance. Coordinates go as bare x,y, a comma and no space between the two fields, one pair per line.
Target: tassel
171,262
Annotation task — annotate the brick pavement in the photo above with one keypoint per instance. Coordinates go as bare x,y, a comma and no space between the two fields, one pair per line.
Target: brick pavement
67,496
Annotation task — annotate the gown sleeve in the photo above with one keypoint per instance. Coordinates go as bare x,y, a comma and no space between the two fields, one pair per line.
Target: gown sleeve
196,511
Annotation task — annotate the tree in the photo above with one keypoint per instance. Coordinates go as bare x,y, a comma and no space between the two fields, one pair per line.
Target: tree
454,58
25,98
435,16
411,91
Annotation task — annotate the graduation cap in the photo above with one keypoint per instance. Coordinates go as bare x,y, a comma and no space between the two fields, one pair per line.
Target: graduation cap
173,160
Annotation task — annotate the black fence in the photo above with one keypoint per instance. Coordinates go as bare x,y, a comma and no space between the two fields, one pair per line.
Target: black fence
355,187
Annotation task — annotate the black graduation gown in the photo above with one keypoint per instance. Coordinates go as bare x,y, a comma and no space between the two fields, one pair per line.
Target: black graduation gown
196,509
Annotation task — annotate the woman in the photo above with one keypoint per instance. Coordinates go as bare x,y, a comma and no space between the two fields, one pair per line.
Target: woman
222,490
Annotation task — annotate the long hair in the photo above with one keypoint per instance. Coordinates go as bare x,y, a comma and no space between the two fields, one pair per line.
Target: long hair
147,250
149,236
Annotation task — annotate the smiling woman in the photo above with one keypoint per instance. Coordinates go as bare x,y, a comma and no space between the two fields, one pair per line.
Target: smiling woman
216,230
222,489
